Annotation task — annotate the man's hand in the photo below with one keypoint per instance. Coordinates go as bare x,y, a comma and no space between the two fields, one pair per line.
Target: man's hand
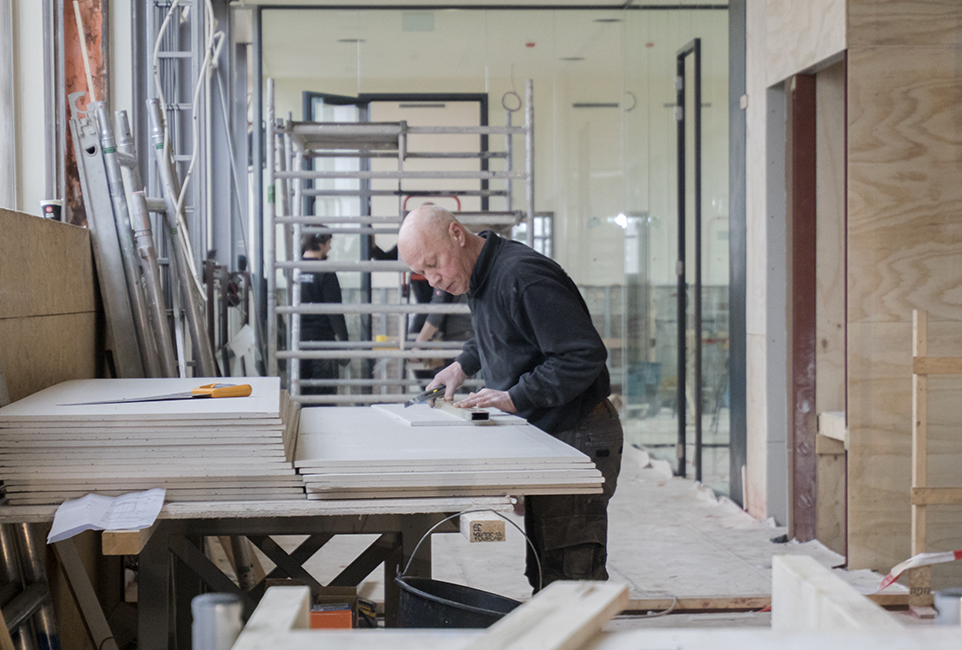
486,397
452,377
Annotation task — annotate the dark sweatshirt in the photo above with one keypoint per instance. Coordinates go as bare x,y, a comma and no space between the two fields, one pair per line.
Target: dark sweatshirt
533,336
322,287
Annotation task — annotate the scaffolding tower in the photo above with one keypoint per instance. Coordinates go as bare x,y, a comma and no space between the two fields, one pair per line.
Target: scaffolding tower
291,149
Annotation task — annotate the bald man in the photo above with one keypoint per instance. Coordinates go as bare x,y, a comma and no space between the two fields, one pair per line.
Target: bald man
540,357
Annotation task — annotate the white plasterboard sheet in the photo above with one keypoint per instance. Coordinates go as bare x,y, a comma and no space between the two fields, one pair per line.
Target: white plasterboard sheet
130,483
47,405
422,415
479,476
222,428
506,464
29,443
365,434
498,483
451,492
116,455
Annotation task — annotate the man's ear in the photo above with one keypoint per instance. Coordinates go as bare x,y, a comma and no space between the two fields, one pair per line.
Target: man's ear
456,230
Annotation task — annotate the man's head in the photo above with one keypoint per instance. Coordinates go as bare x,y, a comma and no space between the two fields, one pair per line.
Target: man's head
433,243
316,245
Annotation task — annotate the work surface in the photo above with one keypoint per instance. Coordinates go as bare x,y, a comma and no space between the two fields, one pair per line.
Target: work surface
667,536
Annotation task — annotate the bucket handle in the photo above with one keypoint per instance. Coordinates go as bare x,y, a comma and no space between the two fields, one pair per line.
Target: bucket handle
468,512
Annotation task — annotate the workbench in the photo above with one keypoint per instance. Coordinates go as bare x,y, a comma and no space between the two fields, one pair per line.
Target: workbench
173,567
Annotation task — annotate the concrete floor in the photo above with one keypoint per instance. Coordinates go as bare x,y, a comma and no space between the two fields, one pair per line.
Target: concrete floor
667,536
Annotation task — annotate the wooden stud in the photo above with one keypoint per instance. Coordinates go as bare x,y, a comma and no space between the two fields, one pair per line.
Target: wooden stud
926,496
562,616
469,414
126,542
831,424
922,365
920,579
828,446
482,527
808,597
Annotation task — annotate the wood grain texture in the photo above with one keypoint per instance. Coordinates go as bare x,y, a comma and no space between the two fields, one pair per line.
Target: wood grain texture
904,22
39,351
48,319
905,138
801,34
46,267
830,500
126,542
830,239
880,446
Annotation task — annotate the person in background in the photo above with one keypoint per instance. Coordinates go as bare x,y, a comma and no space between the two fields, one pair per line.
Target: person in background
320,287
445,327
542,358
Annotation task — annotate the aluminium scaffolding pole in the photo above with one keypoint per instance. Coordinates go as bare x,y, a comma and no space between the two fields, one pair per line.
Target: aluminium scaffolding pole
365,141
192,298
128,250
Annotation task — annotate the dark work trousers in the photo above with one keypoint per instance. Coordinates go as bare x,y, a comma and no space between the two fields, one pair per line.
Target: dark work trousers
570,532
320,369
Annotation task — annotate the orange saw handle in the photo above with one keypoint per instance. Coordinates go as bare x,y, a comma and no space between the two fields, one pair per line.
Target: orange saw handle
222,390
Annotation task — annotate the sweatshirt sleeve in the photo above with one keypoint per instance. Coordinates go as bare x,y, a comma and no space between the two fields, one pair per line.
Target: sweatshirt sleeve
552,316
469,358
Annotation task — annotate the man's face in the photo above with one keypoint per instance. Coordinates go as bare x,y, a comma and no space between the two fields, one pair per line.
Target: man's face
441,260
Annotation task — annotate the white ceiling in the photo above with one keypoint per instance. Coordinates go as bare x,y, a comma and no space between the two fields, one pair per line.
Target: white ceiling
339,43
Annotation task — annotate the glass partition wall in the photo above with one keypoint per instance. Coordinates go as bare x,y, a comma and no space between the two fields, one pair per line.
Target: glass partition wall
606,166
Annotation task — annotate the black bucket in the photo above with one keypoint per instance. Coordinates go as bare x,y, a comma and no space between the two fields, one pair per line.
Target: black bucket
426,603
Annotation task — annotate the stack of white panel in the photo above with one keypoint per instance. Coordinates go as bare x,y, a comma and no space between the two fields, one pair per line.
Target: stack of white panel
201,449
392,452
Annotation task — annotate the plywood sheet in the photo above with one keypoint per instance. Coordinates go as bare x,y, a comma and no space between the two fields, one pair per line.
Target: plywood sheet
879,458
46,268
830,239
801,35
904,137
904,22
38,351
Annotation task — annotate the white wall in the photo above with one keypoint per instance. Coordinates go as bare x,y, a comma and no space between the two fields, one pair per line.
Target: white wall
28,105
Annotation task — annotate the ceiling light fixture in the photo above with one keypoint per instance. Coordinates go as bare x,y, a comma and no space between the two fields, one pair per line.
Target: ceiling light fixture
350,40
607,20
572,58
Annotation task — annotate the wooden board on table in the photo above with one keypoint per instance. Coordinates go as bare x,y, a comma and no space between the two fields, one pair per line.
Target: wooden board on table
562,616
50,405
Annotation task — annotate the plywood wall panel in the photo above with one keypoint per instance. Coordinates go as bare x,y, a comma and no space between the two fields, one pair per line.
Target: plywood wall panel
46,267
40,351
802,34
48,310
904,166
880,444
904,22
830,239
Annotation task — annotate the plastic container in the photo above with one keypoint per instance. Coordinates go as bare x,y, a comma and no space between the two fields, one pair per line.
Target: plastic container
426,603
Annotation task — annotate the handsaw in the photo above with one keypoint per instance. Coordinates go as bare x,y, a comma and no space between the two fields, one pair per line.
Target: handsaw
205,391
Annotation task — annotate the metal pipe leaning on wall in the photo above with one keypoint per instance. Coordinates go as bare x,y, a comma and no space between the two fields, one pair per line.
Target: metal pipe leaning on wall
128,251
151,270
192,299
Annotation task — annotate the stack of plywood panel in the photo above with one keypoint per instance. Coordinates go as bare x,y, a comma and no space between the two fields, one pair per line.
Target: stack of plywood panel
201,449
390,452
